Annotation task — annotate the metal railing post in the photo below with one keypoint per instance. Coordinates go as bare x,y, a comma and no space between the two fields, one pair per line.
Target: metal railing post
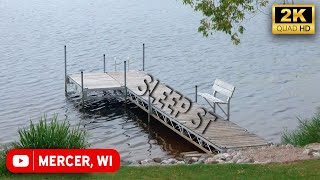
196,96
104,63
125,79
149,108
65,70
143,57
82,91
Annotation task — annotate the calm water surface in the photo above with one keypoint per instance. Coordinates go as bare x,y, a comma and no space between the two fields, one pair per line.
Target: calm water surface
277,77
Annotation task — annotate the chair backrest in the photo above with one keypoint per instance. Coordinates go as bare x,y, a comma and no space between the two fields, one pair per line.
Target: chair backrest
223,88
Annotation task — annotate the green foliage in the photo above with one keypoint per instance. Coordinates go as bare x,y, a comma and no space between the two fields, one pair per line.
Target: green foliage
51,135
225,15
44,135
308,132
3,152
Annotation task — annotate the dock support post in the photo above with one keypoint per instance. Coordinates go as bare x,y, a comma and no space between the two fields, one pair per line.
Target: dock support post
196,96
82,90
125,80
143,57
65,70
149,108
104,63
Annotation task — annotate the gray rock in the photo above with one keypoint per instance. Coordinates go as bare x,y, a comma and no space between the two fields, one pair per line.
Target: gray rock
211,161
230,151
194,159
201,159
226,157
179,159
289,146
180,162
207,156
240,161
229,158
314,146
220,161
308,152
218,156
236,158
316,154
146,161
234,153
157,160
222,158
172,161
165,162
248,160
188,161
226,154
151,164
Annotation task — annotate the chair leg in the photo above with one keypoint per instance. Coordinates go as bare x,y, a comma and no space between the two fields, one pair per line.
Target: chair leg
214,107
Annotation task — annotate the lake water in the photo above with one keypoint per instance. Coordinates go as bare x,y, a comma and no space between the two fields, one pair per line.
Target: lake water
276,77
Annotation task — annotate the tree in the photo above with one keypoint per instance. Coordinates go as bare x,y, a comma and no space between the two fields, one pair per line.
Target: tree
225,15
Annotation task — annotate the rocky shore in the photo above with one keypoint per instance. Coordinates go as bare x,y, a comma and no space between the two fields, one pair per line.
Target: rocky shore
262,155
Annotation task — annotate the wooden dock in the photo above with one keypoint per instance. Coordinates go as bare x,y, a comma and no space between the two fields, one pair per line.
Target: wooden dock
204,129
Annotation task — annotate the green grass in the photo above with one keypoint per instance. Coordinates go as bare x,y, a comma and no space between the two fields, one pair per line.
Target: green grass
297,170
51,135
46,135
308,132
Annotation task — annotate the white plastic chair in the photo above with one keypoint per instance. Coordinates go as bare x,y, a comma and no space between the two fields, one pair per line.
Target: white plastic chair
223,88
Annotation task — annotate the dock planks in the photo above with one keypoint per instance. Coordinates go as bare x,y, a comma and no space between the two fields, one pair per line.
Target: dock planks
223,134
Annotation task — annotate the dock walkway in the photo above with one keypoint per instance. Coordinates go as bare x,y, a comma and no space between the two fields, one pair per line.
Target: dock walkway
204,129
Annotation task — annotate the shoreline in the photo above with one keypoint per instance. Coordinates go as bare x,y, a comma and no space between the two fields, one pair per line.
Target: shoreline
262,155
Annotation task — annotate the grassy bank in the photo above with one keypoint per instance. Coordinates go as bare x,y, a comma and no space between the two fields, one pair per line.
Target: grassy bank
307,132
297,170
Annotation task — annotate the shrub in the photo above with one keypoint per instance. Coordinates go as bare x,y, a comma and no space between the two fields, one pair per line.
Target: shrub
3,152
53,135
308,132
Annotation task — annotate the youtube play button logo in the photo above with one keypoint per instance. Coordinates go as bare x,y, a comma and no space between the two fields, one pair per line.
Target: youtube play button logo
20,161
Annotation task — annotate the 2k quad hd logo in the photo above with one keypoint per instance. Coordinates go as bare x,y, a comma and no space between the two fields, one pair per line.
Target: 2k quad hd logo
293,19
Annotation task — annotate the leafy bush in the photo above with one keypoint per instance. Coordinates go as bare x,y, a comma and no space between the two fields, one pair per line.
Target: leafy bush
308,132
53,135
